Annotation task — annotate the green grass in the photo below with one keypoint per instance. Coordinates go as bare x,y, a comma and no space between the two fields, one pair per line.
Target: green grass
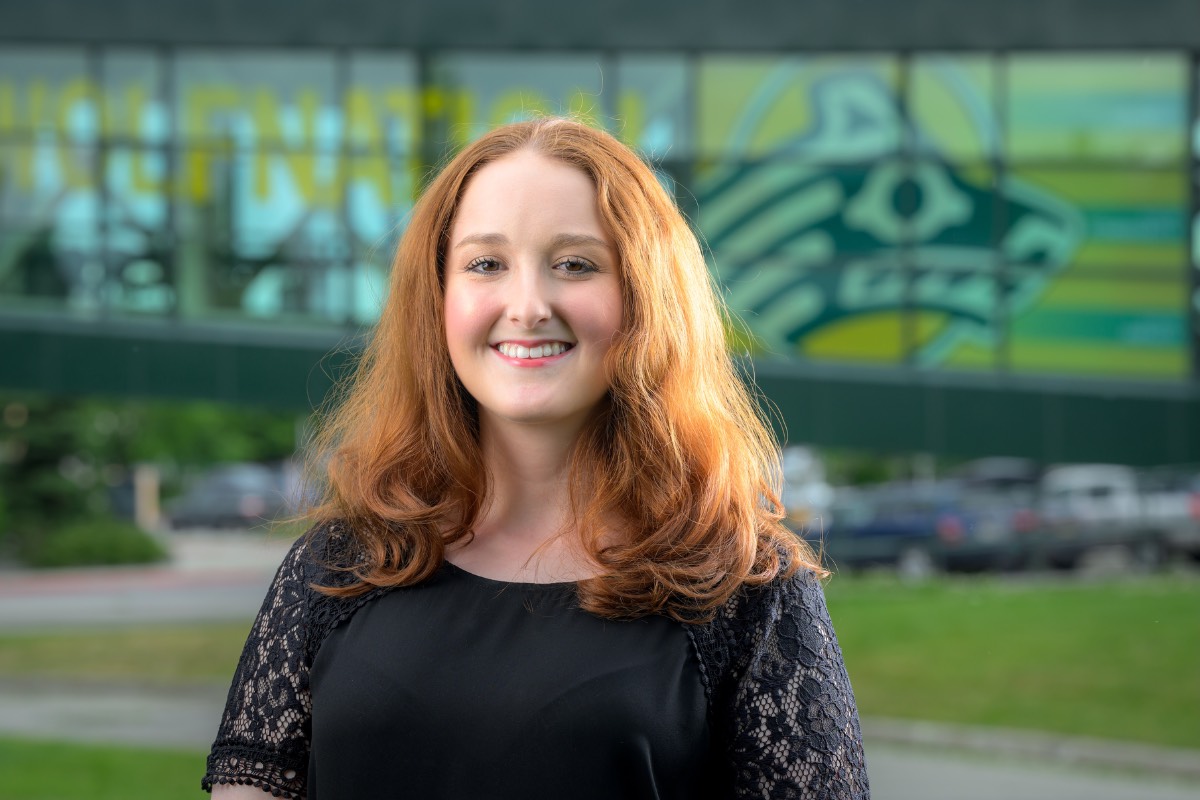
1119,659
59,771
1116,660
147,655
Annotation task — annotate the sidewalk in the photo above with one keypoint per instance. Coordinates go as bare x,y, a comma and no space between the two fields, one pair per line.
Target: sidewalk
211,577
187,718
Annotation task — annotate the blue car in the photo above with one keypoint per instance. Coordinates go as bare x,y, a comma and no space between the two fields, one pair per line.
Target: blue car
923,527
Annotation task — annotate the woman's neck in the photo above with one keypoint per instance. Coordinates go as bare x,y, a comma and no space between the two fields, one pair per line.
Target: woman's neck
528,488
525,531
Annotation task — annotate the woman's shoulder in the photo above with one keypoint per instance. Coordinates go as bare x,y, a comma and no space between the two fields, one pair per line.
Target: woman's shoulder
324,558
794,585
790,605
328,548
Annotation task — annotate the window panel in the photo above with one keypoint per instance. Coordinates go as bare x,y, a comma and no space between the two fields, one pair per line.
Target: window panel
819,108
1104,327
1124,222
48,91
652,113
134,108
472,92
138,243
953,107
249,247
49,218
258,100
383,105
1109,107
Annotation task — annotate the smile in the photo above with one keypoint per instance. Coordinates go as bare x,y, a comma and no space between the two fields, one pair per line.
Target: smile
545,350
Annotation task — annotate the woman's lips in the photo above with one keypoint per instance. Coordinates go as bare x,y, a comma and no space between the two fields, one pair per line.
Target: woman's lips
532,354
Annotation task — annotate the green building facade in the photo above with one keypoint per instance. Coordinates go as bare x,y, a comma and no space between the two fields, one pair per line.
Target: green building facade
977,240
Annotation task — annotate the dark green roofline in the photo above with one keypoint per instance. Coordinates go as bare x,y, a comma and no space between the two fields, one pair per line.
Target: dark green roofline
617,24
884,410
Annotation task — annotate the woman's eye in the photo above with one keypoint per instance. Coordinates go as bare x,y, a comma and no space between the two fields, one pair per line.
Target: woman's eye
484,266
576,266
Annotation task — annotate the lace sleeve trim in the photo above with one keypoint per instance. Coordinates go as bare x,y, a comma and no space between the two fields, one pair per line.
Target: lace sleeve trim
243,766
780,696
265,735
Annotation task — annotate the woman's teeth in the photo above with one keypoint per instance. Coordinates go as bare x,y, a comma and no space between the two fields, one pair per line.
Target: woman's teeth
540,351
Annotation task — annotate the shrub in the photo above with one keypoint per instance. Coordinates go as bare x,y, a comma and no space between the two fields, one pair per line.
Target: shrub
93,542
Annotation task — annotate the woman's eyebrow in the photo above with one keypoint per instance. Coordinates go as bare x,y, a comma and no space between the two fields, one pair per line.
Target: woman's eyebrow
559,241
578,240
490,239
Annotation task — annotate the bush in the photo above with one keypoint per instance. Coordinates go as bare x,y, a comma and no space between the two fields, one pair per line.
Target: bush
94,542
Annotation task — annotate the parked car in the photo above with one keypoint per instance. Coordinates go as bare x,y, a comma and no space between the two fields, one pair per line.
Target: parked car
232,496
1095,508
922,527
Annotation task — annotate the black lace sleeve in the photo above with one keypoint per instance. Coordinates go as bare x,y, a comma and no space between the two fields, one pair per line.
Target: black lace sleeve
264,736
782,697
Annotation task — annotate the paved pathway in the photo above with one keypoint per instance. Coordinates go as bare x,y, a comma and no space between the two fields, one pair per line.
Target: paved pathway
211,577
187,719
224,577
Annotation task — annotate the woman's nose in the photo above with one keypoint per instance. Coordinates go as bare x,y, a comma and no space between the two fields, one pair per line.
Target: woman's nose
529,298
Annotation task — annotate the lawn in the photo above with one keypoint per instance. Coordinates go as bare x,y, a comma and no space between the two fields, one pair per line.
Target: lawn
155,655
57,771
1119,659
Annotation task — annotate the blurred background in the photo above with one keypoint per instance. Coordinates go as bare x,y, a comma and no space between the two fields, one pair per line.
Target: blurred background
964,240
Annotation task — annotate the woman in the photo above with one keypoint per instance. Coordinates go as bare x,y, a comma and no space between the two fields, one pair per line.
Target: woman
551,562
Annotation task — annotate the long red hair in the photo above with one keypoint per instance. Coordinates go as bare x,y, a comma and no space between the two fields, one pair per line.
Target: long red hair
680,454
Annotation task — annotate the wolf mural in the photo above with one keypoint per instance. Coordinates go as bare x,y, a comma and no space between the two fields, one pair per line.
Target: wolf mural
833,231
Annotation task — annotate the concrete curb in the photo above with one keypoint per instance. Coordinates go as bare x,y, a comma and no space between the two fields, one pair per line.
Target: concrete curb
1162,761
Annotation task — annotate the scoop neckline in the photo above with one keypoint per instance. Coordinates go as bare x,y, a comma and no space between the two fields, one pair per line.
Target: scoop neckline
501,583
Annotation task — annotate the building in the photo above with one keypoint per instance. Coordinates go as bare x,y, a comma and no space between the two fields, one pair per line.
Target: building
958,228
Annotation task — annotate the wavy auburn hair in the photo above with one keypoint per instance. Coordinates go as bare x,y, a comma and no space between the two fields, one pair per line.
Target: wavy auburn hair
679,460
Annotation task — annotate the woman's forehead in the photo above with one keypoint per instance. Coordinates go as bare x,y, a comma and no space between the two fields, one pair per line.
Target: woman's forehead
528,194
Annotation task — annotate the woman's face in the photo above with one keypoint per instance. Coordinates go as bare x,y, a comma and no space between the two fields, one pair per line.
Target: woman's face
532,292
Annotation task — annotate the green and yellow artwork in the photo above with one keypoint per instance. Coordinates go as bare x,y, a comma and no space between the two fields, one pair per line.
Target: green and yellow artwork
1026,213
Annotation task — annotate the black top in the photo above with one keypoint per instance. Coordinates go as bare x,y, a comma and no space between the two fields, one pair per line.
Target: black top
469,688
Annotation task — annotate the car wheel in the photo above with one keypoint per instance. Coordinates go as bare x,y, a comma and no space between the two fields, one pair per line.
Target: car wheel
1149,555
915,564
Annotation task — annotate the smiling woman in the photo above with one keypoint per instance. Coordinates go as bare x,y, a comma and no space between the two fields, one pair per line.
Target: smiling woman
532,294
549,561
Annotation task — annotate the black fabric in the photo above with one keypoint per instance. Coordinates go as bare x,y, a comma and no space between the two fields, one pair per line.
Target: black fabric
478,689
465,687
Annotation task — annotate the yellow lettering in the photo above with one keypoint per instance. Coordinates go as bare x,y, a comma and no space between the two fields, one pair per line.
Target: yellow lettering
76,93
78,97
466,115
140,179
631,117
363,127
199,103
373,170
401,105
39,97
135,106
10,119
8,107
433,101
17,159
19,156
75,166
296,156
